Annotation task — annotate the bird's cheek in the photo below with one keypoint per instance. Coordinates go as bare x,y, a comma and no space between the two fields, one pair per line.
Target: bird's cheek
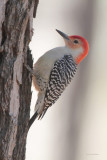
68,44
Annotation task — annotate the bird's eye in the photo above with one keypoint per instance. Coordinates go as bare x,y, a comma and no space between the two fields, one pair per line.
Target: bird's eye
76,41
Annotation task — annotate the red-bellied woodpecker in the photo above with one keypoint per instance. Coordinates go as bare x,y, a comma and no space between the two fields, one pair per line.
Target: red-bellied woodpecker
54,70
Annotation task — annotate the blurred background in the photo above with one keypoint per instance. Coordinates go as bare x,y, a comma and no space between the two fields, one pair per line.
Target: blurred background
75,127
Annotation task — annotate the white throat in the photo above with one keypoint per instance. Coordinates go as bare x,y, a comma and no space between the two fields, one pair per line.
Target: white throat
75,52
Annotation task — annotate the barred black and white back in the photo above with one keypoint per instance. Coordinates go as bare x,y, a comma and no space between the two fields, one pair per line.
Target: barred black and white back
60,76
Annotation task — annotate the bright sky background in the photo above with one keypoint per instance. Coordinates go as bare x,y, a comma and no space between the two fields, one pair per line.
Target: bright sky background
82,109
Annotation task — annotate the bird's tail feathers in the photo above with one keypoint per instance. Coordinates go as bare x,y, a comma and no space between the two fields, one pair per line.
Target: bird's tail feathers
41,115
33,119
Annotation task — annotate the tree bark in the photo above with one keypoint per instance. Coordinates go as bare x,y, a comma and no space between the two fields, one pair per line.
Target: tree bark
16,17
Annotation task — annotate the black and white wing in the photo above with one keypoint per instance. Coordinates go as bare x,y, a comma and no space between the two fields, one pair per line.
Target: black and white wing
60,76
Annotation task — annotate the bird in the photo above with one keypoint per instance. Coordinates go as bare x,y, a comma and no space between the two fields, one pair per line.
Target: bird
54,71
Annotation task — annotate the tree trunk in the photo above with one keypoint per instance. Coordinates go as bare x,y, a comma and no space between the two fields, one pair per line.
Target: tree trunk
16,17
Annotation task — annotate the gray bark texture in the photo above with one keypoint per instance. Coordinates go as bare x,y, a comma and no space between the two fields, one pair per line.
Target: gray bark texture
16,17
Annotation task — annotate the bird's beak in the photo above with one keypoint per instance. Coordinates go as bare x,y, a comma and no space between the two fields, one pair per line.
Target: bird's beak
65,36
